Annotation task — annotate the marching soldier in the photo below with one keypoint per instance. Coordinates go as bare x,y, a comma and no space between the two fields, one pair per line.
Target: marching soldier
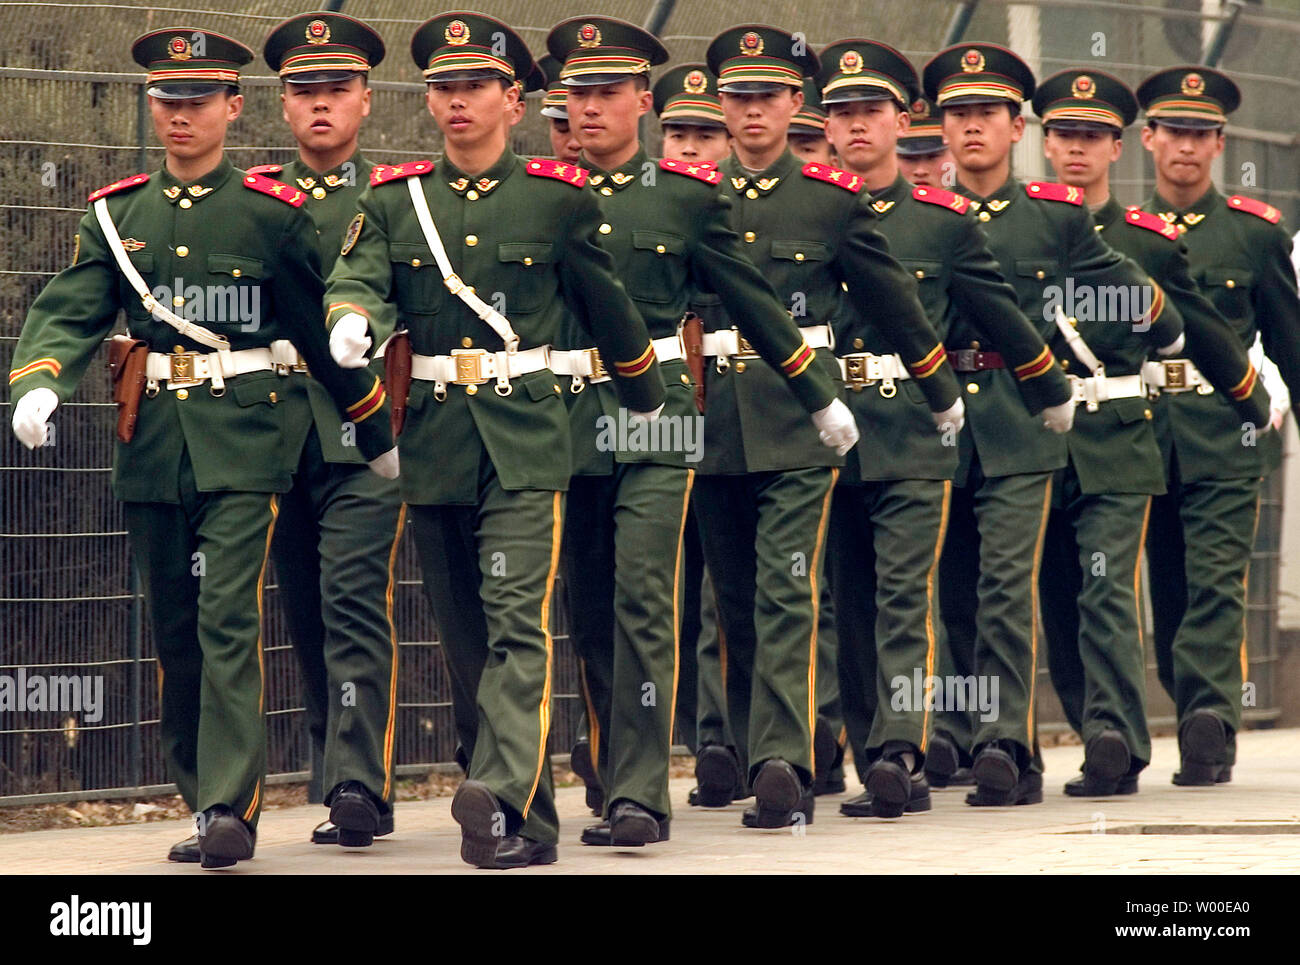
764,491
564,146
1202,531
888,515
669,233
336,540
807,132
203,433
485,416
1041,236
923,155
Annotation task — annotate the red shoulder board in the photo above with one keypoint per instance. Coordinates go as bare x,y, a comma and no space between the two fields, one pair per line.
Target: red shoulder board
1051,191
1145,219
265,169
118,186
945,199
547,168
1258,208
824,172
276,189
702,170
383,173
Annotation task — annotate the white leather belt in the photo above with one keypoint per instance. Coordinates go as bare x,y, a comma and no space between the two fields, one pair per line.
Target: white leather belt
1175,376
476,366
585,364
862,368
1097,389
183,369
729,343
285,357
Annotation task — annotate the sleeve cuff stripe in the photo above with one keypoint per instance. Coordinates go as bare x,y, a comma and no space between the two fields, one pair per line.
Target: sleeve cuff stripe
365,401
364,410
638,365
1041,364
348,305
930,363
1242,390
50,365
799,362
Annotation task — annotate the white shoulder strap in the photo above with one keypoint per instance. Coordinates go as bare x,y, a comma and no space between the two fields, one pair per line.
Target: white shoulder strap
198,333
500,324
1077,344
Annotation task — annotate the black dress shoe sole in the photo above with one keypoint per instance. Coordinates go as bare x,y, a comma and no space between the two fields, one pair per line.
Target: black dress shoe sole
777,793
185,852
890,786
995,772
718,773
1091,787
635,830
598,836
1028,790
328,833
546,855
357,821
941,762
1106,758
478,812
227,840
1203,740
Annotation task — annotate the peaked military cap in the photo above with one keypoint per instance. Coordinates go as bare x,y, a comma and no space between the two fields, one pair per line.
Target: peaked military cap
317,48
602,50
754,58
924,134
188,62
463,45
977,73
866,70
688,94
811,118
1189,97
1079,99
556,101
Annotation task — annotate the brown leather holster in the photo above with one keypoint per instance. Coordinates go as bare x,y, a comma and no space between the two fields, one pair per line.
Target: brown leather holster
126,360
397,378
693,344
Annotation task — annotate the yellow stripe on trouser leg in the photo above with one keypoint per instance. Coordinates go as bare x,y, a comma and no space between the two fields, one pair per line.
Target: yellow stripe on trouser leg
1033,611
815,590
390,728
677,591
544,711
929,609
261,653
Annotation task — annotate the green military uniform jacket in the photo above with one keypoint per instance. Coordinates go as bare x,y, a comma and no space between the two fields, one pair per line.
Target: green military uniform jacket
525,234
812,234
225,238
331,200
938,241
669,231
1049,249
1238,254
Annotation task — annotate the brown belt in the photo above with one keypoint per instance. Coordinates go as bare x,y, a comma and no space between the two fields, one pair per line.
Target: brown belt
969,360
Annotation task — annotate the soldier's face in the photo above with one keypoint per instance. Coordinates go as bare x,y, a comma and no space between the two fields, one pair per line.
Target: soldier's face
604,116
1081,158
1183,156
327,116
864,132
934,170
811,147
980,135
469,112
195,126
759,121
564,146
691,142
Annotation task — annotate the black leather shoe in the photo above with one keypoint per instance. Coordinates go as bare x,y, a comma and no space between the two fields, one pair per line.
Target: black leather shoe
225,838
516,851
186,852
828,754
482,824
942,761
893,790
995,769
1106,762
962,777
582,764
718,772
355,814
1083,786
857,807
631,825
693,797
801,815
327,832
598,835
1203,744
1027,790
780,798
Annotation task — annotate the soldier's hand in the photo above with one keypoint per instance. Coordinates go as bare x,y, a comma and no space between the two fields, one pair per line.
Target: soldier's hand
836,427
31,414
349,341
1060,418
633,415
386,465
954,415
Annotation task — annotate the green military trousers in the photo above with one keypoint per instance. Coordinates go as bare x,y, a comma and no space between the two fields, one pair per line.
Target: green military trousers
202,562
1091,611
489,575
1198,546
764,534
885,542
623,548
335,550
688,676
988,591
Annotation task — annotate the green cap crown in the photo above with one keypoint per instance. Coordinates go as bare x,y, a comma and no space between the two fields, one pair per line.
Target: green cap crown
977,73
1081,99
754,57
320,47
1190,97
924,134
602,50
861,70
188,62
688,94
463,45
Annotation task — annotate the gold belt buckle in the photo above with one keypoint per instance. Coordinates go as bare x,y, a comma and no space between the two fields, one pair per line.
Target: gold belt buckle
855,372
469,367
598,370
300,365
182,369
744,349
1176,374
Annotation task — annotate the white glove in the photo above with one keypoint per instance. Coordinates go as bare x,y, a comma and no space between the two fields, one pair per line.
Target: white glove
836,427
349,341
31,414
954,415
1174,347
633,415
1060,418
386,465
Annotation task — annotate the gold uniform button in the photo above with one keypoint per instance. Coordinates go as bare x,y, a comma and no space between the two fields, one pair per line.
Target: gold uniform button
984,216
471,240
1040,274
686,379
416,263
975,346
527,261
660,249
177,349
178,301
857,343
318,193
236,272
181,251
274,398
973,388
1147,413
186,202
750,236
471,390
467,342
1065,365
751,194
606,191
798,256
606,228
740,366
472,194
182,394
1230,283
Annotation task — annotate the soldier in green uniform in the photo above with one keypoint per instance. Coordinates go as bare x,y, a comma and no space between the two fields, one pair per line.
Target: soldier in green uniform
1095,647
202,465
1045,242
564,146
1202,531
336,540
923,155
477,258
807,131
669,232
888,515
765,485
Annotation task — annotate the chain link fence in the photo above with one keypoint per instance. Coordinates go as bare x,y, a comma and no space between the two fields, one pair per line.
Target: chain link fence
75,118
